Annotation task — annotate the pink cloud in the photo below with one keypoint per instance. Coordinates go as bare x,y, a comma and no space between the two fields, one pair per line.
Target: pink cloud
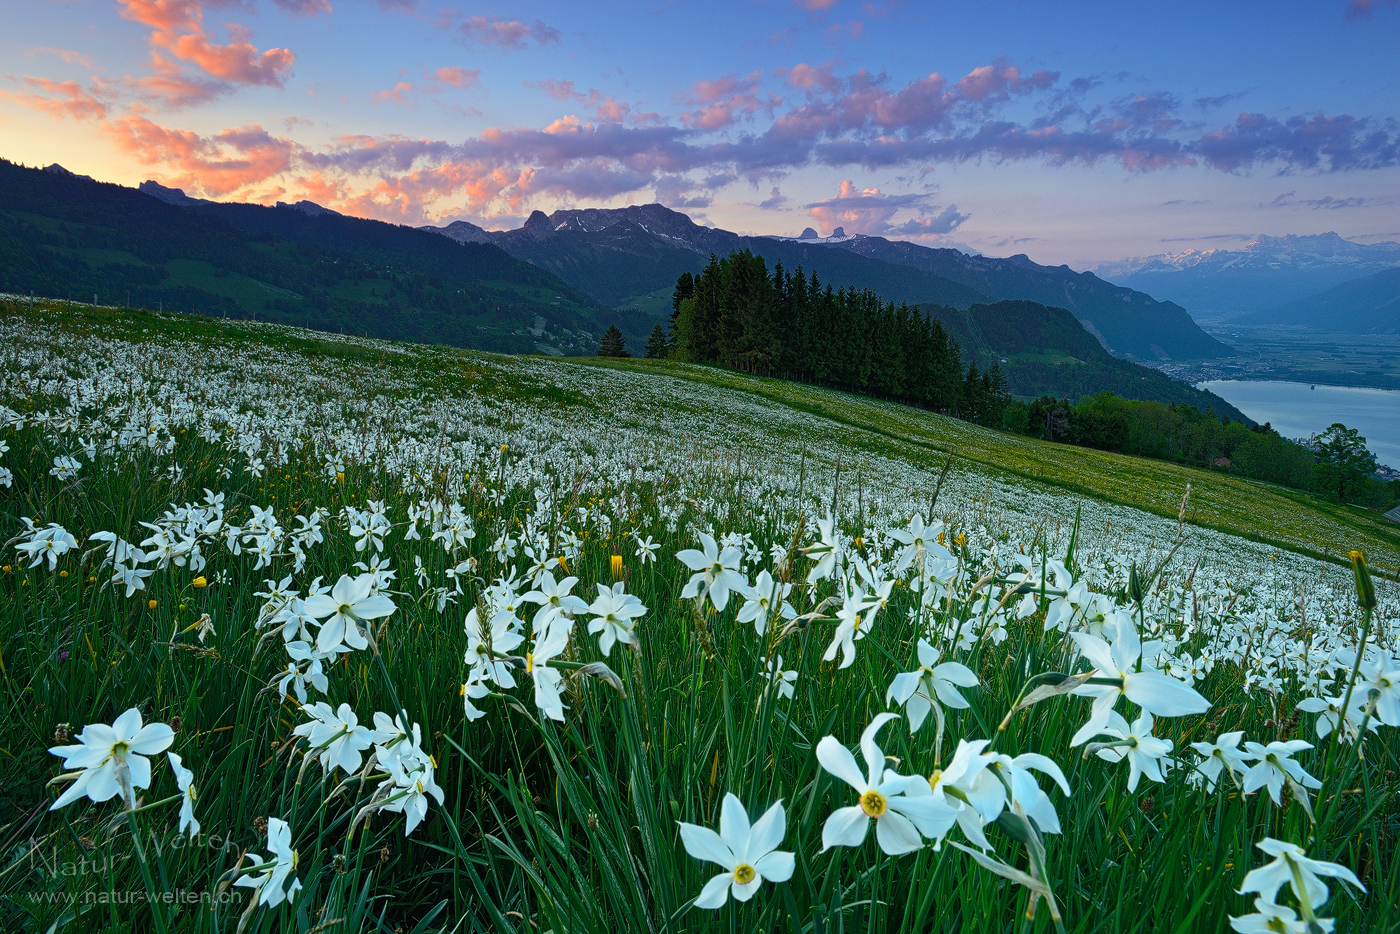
812,78
723,99
457,77
397,94
605,109
998,81
869,211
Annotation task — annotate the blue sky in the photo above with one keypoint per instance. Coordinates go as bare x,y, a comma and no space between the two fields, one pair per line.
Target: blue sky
1075,133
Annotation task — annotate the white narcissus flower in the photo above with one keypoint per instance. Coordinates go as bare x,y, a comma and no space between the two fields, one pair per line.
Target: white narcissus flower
853,624
783,681
761,599
826,553
1144,752
1151,690
963,786
305,667
337,735
749,854
113,758
51,542
547,680
614,613
716,572
646,549
1269,918
1382,676
903,807
1332,717
917,539
929,686
414,784
554,600
1224,753
269,884
184,780
1273,765
484,650
350,602
975,785
1292,867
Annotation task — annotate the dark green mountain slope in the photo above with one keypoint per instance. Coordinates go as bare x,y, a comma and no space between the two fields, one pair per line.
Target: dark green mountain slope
1044,351
1370,305
1130,324
66,236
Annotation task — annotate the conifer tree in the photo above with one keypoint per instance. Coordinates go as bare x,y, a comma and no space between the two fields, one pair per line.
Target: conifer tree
613,343
658,347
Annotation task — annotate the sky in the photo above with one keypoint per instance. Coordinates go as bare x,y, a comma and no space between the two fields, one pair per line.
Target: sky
1076,133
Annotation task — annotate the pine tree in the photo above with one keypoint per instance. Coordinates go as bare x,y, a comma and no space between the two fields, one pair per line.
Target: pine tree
658,347
613,343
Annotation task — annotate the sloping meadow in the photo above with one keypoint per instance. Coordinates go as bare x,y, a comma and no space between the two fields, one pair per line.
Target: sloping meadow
442,640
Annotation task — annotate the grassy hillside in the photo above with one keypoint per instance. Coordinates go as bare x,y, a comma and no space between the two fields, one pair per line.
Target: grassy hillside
1258,511
455,739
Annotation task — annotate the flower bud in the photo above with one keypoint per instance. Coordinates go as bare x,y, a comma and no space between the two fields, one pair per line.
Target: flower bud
1365,589
1134,584
617,567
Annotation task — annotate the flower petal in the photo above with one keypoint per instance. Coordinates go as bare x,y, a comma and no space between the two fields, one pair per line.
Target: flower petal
845,827
897,834
716,891
837,760
704,843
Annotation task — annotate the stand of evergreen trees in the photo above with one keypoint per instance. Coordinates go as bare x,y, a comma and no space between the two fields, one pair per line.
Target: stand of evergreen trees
787,324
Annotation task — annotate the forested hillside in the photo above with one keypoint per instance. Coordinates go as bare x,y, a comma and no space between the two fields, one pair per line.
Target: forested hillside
968,362
71,237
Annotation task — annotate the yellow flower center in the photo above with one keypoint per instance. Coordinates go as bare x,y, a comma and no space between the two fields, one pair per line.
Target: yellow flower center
744,873
873,803
529,661
933,779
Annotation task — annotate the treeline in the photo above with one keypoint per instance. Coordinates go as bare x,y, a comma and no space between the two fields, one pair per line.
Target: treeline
737,314
1201,438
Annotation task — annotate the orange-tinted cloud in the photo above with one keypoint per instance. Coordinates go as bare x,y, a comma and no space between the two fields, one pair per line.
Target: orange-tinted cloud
211,165
60,99
397,94
177,28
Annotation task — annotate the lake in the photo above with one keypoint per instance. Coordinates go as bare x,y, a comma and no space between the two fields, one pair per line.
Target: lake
1298,411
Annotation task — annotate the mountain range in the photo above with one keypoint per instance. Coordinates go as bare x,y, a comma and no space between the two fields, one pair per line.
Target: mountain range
1369,305
631,257
533,289
1265,274
65,235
